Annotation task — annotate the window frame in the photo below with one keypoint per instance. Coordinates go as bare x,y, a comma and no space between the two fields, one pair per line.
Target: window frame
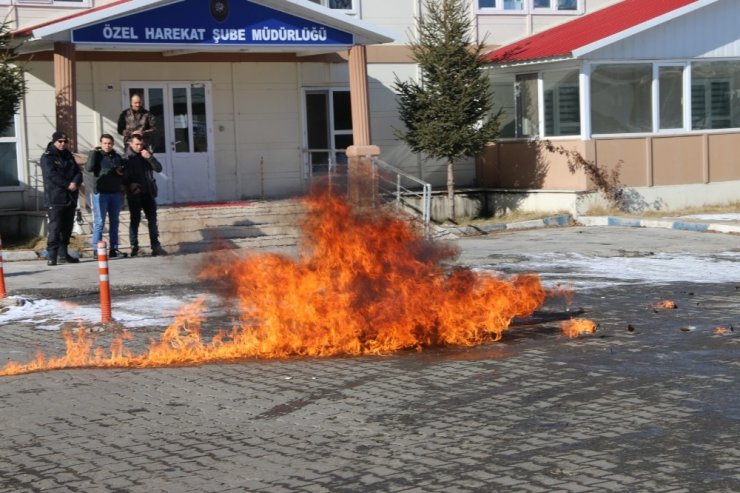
657,101
709,115
353,11
528,8
310,169
49,3
558,123
507,79
16,139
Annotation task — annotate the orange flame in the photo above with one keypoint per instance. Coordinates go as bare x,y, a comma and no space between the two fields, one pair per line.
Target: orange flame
362,283
576,327
666,305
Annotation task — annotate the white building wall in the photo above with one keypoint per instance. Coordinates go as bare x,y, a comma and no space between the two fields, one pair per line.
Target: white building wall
268,105
30,14
258,125
701,34
396,16
508,27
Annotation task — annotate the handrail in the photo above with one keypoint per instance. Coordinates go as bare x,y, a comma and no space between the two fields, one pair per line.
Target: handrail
400,191
331,163
390,180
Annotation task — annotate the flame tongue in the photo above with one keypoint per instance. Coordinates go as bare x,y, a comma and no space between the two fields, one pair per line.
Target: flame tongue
362,283
368,283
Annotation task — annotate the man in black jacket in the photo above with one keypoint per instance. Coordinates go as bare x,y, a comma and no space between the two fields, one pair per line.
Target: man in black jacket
137,120
62,179
107,168
139,166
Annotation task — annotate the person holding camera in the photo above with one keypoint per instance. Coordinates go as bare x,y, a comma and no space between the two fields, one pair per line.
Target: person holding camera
141,192
106,165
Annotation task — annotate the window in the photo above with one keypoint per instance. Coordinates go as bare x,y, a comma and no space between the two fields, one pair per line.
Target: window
328,129
670,97
562,103
714,99
348,5
532,6
527,108
621,98
504,102
517,5
9,175
555,5
55,3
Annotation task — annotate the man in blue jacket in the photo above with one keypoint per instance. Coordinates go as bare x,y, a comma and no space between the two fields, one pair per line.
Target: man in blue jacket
62,180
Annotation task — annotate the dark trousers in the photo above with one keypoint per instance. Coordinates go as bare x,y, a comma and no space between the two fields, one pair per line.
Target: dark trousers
135,205
61,223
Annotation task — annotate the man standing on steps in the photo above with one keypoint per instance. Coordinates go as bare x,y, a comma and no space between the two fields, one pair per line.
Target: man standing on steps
137,120
139,166
62,180
107,167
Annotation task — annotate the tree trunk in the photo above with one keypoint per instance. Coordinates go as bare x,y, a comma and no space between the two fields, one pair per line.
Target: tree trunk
451,190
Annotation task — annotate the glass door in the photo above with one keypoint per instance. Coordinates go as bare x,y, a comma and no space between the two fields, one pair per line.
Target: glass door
182,141
190,142
328,131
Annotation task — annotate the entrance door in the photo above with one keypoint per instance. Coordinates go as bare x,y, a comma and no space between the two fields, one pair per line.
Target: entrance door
183,142
328,131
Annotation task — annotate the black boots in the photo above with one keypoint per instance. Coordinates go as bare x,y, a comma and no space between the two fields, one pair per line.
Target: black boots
51,257
64,257
158,251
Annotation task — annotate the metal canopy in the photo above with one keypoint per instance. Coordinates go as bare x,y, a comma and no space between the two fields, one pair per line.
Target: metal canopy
188,26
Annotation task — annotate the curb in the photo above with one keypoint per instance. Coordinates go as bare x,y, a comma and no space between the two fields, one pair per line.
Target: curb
452,232
657,223
455,231
17,255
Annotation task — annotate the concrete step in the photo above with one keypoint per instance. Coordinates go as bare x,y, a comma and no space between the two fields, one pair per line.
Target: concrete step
203,227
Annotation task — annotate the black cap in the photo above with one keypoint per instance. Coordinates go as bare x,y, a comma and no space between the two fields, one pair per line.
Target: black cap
58,135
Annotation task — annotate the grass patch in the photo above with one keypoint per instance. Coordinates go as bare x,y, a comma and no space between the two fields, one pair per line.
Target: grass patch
34,243
510,217
729,207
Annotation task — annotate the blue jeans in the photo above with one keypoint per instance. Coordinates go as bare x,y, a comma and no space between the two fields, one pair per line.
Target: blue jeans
106,204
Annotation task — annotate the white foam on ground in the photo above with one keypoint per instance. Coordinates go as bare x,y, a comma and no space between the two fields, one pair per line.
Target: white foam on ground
732,216
589,272
578,271
149,311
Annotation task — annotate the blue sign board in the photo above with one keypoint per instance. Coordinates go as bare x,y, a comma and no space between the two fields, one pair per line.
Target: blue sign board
215,22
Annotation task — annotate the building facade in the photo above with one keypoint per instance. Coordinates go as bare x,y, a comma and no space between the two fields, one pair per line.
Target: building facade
256,98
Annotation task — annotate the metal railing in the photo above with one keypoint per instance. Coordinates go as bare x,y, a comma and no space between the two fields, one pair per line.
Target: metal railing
406,191
323,162
401,186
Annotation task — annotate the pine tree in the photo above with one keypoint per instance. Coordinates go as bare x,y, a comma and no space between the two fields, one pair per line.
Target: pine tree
448,113
12,82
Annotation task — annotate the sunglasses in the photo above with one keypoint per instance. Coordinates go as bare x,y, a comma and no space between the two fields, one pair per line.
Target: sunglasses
63,141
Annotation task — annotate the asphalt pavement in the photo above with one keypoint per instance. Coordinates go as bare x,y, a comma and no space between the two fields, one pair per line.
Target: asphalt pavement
650,402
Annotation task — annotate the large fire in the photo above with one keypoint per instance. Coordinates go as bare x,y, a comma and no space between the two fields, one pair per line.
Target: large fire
362,283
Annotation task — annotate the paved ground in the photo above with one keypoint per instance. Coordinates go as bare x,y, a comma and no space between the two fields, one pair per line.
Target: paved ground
651,402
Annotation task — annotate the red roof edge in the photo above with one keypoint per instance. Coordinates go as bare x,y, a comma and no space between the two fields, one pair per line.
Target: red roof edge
563,39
